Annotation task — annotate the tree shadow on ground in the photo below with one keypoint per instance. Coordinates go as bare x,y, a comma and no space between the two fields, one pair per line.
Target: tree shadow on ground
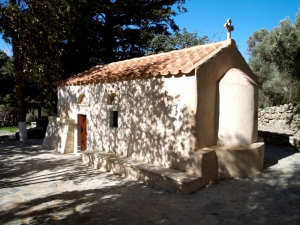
48,188
274,153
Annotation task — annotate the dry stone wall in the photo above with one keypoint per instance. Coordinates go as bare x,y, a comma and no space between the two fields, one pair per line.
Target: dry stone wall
283,117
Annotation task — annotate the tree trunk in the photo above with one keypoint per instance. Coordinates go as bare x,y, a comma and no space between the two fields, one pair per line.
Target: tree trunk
19,81
39,111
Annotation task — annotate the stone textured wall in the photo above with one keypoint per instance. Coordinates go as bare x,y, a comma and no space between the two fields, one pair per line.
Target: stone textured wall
284,117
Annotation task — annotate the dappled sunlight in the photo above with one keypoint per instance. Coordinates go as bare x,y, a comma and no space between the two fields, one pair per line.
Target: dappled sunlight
34,164
49,188
153,126
60,135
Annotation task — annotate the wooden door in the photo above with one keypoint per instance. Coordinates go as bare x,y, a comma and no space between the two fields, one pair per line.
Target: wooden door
83,132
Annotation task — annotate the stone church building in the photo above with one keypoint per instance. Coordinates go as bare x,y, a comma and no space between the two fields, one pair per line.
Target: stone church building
175,119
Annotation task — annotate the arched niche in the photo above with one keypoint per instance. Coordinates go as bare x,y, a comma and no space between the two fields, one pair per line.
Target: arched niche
238,96
81,99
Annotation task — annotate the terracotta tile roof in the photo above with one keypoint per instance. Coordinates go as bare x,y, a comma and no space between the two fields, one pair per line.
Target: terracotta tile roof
174,63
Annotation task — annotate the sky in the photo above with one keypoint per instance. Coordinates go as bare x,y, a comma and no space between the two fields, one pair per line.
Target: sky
208,18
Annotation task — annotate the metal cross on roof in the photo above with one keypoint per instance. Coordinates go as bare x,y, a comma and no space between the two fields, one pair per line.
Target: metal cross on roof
229,28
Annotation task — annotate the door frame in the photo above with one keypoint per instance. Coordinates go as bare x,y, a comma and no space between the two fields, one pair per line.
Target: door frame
79,136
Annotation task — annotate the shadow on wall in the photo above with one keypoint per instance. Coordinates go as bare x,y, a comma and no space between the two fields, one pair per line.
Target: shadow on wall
60,135
239,161
66,102
153,125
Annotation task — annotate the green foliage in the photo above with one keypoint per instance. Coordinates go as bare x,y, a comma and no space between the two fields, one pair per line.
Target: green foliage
12,129
69,36
7,94
256,38
7,90
275,59
178,40
55,39
6,74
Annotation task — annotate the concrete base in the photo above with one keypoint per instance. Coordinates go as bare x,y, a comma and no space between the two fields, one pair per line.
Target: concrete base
215,162
169,179
240,161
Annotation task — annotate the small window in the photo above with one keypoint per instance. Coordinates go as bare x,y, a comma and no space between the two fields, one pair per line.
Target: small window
111,98
114,119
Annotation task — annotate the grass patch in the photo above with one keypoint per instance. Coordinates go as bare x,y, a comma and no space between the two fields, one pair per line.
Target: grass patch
12,129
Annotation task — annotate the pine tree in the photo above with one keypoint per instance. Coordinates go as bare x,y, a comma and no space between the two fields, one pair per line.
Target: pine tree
52,40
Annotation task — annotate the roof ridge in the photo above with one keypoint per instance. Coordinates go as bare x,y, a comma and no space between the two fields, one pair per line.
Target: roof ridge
225,44
176,62
176,50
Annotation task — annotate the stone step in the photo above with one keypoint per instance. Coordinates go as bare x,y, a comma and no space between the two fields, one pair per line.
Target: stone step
279,137
154,175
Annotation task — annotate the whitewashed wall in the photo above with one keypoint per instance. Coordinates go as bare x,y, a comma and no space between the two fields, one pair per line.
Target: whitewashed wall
60,135
156,118
238,97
